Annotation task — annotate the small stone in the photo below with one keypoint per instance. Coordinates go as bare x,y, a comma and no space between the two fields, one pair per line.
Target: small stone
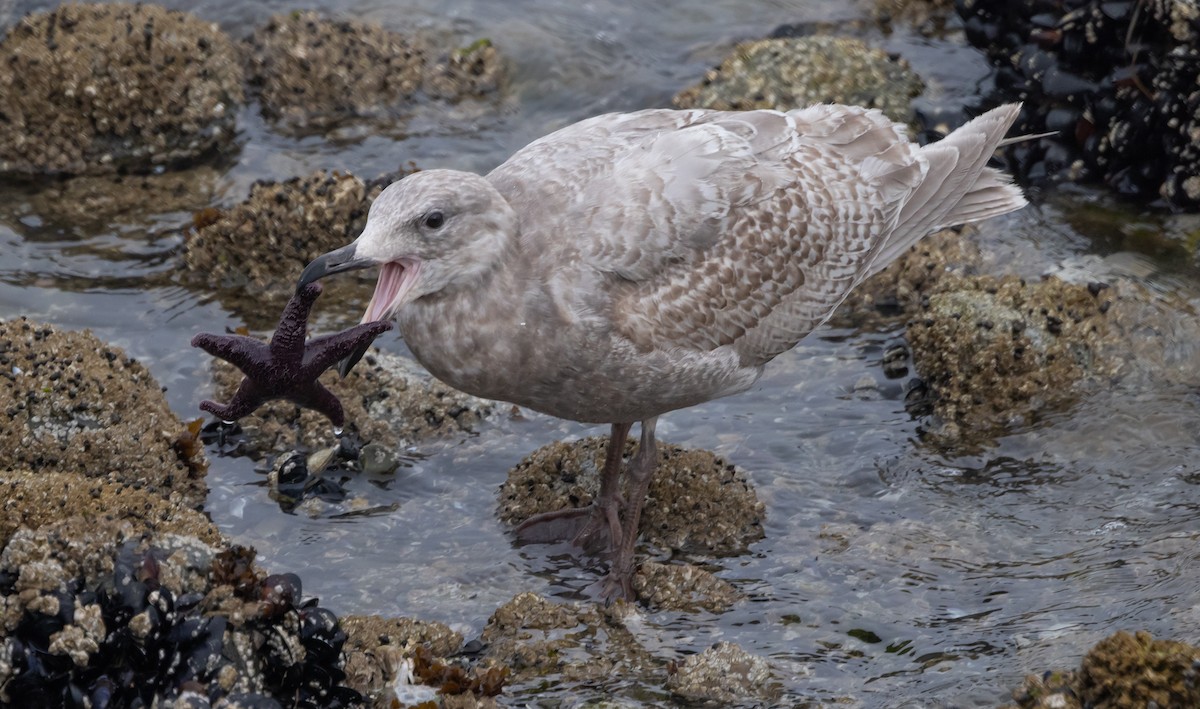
378,459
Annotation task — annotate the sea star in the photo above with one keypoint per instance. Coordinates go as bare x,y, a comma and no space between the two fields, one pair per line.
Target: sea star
287,367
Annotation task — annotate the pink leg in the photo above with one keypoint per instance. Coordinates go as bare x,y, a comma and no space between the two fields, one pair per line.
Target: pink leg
619,581
594,528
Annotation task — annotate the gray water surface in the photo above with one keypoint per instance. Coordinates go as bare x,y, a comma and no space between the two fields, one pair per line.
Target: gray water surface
890,572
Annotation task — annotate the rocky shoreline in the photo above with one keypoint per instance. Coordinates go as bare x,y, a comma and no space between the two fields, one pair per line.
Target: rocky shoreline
116,587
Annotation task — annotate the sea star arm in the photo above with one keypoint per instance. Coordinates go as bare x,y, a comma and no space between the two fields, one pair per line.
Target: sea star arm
246,353
246,399
317,397
287,343
323,351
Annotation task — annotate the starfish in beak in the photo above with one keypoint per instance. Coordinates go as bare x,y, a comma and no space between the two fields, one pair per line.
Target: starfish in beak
287,367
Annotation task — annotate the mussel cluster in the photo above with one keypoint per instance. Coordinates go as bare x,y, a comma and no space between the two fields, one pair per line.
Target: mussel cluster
157,648
1116,81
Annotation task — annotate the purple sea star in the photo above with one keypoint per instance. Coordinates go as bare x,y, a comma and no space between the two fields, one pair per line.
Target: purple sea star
287,367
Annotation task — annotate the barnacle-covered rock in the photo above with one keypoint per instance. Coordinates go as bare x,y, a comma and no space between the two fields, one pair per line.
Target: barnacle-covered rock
697,501
313,73
994,351
1117,82
1125,670
794,72
898,289
75,404
97,89
682,587
724,673
260,246
535,637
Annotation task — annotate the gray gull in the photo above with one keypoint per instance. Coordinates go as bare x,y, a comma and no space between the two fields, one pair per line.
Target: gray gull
632,264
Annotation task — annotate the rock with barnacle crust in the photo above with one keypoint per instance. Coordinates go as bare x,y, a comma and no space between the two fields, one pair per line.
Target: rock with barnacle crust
76,404
259,245
1117,83
785,73
994,351
314,73
724,673
698,502
98,89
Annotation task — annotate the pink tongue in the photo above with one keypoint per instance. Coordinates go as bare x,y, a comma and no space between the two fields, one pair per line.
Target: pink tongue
390,277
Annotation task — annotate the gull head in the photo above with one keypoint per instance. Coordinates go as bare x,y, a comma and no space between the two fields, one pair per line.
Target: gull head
430,233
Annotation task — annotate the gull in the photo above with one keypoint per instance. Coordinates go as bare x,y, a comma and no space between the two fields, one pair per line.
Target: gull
633,264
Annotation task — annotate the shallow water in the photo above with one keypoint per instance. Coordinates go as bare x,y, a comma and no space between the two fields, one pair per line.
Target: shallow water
890,572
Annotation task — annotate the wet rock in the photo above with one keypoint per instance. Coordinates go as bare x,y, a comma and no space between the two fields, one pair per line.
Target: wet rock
574,642
1125,670
999,351
724,673
91,606
1117,82
33,499
697,501
795,72
99,89
389,401
99,201
314,73
1135,670
260,246
76,405
682,587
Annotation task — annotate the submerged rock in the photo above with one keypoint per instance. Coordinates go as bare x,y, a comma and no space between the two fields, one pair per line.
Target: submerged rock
260,246
697,501
76,405
795,72
573,642
724,673
1123,671
99,202
100,89
314,73
928,16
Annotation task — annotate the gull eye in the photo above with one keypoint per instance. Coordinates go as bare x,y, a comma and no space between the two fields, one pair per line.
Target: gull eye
434,219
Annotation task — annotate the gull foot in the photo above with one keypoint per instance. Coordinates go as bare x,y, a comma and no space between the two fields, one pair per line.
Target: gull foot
594,529
615,586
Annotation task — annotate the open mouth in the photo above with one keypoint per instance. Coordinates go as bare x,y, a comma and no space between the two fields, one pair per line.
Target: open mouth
396,279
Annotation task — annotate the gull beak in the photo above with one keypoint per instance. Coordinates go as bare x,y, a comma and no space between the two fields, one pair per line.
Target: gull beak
337,261
343,259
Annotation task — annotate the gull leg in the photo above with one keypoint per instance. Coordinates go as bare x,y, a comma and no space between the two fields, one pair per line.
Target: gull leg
619,581
593,528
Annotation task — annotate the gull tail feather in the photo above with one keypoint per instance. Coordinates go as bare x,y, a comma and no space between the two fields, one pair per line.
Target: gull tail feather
958,187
